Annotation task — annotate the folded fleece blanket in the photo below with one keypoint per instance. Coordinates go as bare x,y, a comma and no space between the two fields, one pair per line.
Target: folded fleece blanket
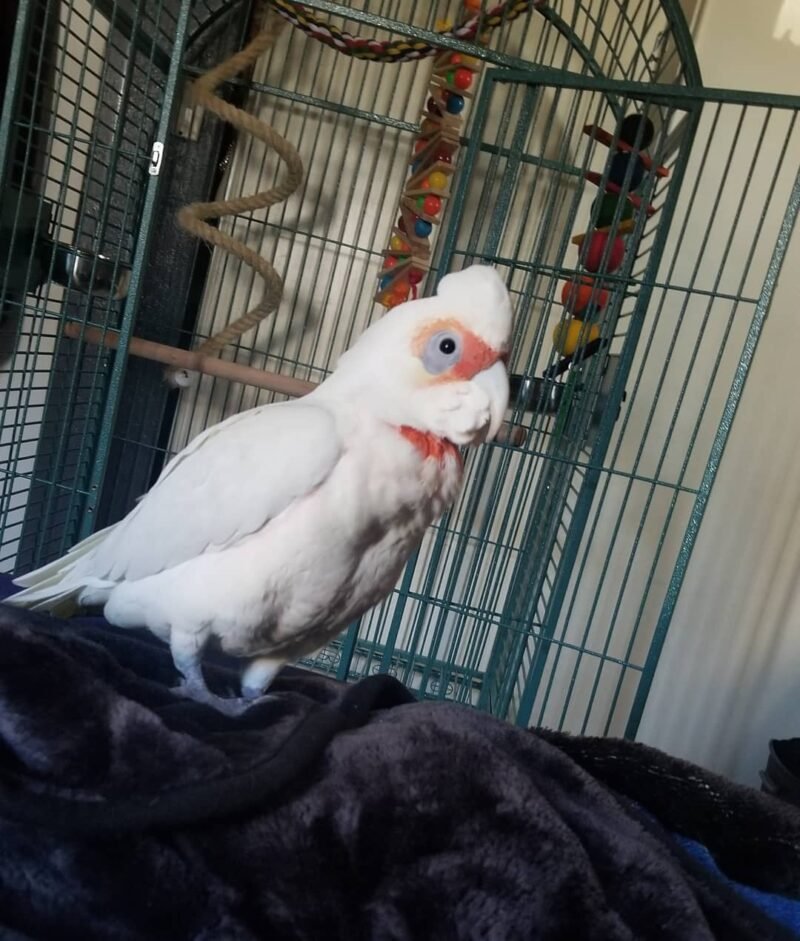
332,812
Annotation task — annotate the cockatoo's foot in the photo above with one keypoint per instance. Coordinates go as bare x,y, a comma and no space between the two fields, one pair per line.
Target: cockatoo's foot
258,676
193,686
233,706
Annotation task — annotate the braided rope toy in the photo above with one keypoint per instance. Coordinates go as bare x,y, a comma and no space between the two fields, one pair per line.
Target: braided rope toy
398,50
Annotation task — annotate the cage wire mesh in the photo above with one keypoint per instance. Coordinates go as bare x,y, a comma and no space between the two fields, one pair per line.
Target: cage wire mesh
545,594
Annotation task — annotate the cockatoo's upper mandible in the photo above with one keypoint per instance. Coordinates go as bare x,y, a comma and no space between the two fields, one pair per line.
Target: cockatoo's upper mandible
275,529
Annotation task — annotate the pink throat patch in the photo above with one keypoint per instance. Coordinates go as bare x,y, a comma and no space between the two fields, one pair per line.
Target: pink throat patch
428,446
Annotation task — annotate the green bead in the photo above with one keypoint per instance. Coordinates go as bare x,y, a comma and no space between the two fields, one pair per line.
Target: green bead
608,207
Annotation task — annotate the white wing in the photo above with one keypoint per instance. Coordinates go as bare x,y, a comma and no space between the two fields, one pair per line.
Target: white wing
226,484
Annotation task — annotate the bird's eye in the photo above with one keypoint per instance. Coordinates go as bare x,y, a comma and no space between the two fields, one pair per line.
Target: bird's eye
442,351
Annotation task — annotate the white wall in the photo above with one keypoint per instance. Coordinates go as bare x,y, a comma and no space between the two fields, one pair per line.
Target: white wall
729,677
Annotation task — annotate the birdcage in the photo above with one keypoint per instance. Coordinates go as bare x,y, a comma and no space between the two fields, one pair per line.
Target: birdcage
641,256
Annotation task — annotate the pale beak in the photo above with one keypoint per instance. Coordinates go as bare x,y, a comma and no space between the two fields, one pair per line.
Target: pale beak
494,382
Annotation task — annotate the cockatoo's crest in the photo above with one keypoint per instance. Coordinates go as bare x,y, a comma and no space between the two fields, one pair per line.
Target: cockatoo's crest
474,300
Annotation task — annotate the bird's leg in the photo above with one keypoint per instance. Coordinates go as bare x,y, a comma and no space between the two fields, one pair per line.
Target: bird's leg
187,660
258,676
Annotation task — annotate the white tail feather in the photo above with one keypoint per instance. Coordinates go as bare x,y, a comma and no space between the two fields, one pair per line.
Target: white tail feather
55,588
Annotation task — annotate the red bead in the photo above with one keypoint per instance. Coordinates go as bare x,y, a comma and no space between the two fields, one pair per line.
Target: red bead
462,78
455,59
431,205
472,5
390,261
420,145
415,276
401,224
595,249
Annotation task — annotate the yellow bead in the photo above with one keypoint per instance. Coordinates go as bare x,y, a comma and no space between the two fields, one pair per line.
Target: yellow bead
438,180
442,26
570,334
397,244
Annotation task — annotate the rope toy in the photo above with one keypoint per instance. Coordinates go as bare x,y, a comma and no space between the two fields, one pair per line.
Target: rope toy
397,50
193,217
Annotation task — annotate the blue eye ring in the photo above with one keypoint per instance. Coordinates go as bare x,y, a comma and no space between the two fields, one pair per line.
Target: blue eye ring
442,351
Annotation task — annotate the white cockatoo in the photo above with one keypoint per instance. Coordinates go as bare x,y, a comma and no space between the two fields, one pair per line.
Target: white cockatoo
276,528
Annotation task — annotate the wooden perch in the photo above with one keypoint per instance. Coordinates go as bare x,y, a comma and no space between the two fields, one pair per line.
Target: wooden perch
194,362
177,358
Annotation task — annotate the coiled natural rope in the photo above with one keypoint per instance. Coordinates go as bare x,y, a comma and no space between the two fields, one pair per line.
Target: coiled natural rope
192,218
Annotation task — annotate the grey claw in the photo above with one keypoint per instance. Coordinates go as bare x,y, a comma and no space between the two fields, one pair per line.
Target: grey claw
234,706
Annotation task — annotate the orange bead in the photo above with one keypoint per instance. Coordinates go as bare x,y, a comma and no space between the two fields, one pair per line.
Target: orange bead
577,295
472,5
425,184
428,127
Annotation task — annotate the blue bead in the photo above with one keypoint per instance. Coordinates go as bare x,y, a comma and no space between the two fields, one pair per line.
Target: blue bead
422,228
414,166
455,104
619,168
385,281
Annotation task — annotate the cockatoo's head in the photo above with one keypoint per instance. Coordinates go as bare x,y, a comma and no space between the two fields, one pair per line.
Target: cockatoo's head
438,364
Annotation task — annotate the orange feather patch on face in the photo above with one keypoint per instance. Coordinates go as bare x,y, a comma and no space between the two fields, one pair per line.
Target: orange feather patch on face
476,354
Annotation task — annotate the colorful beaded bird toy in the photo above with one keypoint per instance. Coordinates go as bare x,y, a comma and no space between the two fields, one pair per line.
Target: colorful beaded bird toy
602,251
453,82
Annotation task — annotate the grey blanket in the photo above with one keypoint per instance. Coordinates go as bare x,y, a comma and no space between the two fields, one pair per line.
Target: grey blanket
328,812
